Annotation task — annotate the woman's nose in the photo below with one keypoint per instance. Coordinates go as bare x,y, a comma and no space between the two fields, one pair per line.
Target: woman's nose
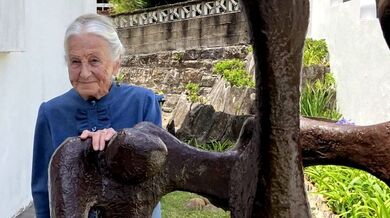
85,71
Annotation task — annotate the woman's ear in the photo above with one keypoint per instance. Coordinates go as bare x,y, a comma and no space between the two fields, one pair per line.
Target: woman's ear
116,67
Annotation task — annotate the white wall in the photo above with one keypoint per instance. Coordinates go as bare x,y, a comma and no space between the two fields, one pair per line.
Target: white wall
359,57
26,79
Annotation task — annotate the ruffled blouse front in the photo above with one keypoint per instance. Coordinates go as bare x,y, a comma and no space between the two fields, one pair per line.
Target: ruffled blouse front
85,119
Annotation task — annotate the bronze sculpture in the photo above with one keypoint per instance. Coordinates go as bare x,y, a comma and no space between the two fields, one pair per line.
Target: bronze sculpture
261,177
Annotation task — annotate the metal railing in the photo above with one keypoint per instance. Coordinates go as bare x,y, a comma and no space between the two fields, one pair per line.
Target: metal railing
176,12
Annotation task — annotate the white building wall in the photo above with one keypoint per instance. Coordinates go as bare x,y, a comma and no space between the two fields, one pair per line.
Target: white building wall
27,78
359,57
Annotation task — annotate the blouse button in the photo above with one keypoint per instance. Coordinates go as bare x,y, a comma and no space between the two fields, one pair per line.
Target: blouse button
94,129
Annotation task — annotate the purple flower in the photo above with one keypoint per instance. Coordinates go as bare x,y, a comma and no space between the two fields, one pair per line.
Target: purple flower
344,121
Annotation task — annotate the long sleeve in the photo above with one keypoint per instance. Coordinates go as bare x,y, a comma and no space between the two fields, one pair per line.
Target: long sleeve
152,110
152,113
43,149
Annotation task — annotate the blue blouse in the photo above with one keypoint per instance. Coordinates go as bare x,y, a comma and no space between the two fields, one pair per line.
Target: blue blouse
69,114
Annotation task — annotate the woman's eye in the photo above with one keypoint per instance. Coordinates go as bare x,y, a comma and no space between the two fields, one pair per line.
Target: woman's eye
75,62
94,61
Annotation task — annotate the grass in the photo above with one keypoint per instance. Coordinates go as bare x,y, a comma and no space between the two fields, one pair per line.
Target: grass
173,206
213,145
351,192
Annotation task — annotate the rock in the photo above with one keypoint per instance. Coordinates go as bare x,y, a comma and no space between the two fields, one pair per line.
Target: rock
196,123
181,110
313,73
250,64
208,80
231,100
198,203
204,124
318,206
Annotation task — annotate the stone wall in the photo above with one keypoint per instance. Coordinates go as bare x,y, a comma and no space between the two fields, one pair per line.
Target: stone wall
168,72
207,30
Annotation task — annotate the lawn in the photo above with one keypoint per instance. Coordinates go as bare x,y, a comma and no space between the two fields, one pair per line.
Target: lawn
174,206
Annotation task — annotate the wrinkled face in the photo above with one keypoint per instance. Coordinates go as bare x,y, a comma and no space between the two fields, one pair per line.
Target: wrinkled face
90,65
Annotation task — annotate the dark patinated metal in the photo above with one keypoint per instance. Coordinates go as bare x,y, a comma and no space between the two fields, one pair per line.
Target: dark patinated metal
362,147
144,163
278,30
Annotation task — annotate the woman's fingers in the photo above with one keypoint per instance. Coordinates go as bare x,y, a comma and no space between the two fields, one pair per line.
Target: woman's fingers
85,134
96,140
110,133
102,140
99,138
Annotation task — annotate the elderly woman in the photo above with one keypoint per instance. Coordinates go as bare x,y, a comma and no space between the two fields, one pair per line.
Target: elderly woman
96,107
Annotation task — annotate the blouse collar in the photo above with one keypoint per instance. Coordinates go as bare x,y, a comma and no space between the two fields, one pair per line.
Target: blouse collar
105,100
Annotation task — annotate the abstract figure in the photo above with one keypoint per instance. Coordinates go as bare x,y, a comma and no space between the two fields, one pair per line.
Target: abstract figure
144,163
268,146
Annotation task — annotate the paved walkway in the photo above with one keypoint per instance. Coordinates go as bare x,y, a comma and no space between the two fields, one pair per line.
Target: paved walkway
28,213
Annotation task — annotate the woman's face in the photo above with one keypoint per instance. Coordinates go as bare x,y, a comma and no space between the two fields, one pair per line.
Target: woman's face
90,65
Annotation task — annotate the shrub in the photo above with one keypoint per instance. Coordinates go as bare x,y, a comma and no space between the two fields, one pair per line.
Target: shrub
250,49
318,99
120,77
121,6
233,70
315,53
192,90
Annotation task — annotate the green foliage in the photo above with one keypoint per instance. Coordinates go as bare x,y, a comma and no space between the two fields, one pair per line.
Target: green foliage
315,53
351,192
122,6
192,90
120,77
173,206
318,99
233,70
250,49
159,92
213,145
178,57
228,64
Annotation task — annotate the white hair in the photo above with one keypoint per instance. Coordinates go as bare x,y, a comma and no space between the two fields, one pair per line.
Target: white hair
98,25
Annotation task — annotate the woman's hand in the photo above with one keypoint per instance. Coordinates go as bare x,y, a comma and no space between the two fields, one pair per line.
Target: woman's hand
99,138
